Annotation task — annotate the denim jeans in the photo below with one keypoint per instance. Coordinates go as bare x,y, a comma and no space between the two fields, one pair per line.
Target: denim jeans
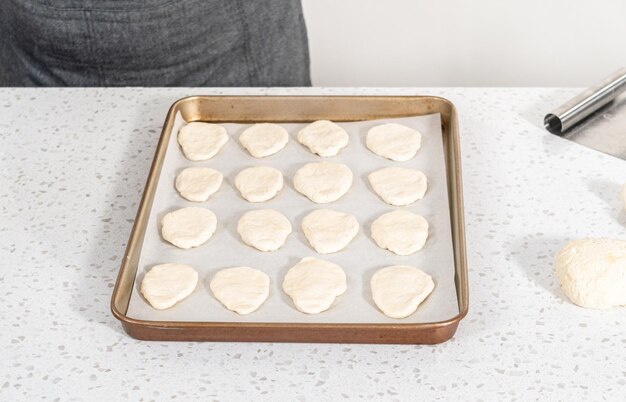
153,43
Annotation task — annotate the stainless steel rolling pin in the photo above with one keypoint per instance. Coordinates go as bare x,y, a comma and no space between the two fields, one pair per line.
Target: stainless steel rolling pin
583,105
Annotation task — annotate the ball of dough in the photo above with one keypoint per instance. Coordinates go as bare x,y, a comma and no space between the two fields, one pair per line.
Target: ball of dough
240,289
314,284
592,272
323,182
167,284
198,183
188,227
398,186
264,139
398,290
329,231
323,137
264,229
394,141
258,184
201,141
400,232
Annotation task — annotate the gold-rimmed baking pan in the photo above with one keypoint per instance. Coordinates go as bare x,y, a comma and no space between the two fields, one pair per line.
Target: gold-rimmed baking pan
292,109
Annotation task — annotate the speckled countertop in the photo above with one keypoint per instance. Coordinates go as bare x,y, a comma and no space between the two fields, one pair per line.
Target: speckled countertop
73,163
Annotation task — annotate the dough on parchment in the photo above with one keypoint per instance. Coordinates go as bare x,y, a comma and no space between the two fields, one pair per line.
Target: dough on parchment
323,182
399,289
188,227
329,231
592,272
166,284
198,183
313,284
323,138
258,184
201,141
264,139
264,229
398,186
400,232
394,141
240,289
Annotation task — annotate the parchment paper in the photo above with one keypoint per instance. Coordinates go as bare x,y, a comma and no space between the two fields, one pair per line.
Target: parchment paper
360,259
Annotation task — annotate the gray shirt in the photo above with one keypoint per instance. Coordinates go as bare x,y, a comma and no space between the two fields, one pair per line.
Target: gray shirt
153,43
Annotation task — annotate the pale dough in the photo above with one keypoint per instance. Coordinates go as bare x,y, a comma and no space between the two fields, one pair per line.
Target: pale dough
592,272
240,289
400,231
398,186
323,182
624,196
329,231
314,284
398,290
198,183
188,227
323,137
258,184
264,139
201,141
264,229
394,141
166,284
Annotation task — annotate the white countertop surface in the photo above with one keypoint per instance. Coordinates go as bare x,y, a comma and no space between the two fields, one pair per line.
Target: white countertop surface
73,163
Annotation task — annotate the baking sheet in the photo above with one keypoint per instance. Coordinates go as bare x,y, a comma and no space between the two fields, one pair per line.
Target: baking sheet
360,259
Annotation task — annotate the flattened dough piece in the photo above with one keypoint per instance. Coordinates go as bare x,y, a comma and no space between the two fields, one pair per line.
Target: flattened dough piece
258,184
167,284
329,231
264,229
240,289
592,272
398,290
400,232
201,141
394,141
398,186
323,182
314,284
198,183
264,139
323,137
188,227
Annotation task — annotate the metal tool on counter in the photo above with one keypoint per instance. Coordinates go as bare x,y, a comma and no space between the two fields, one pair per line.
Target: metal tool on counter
604,131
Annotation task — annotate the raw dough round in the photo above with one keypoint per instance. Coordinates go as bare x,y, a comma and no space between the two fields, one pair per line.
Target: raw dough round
398,186
258,184
188,227
198,183
264,139
323,137
166,284
394,141
314,284
201,141
264,229
401,232
592,272
323,182
399,289
329,231
240,289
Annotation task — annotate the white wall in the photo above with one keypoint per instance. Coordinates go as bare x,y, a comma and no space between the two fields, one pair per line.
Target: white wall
465,42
